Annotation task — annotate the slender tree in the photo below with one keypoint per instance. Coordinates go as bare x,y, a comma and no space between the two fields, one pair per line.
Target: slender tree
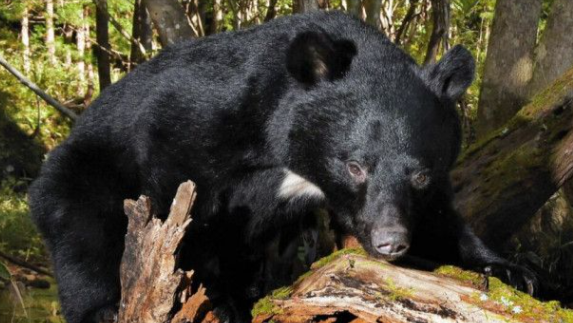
141,32
103,49
50,35
509,62
81,48
406,21
26,38
440,29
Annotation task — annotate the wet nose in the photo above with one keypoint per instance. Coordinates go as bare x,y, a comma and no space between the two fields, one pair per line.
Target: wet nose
390,244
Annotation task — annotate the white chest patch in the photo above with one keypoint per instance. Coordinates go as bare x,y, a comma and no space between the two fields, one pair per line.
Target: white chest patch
294,185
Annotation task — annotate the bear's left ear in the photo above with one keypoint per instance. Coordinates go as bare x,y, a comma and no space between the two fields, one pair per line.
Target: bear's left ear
315,56
452,75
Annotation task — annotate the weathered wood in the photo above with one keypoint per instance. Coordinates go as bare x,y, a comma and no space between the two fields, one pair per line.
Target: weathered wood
152,286
502,180
349,287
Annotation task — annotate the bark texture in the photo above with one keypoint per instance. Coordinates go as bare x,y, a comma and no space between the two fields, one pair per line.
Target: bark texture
373,8
350,287
303,6
554,54
509,63
169,19
152,287
502,180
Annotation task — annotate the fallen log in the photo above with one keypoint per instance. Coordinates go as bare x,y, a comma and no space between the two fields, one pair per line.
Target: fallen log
351,287
346,286
502,180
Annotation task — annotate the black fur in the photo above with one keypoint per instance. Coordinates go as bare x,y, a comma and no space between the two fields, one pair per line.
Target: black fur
232,112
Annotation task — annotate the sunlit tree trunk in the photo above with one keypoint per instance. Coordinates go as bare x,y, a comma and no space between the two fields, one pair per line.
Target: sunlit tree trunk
81,47
102,51
88,95
26,39
509,62
50,38
217,17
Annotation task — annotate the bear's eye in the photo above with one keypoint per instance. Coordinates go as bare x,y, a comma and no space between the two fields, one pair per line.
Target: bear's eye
356,171
420,179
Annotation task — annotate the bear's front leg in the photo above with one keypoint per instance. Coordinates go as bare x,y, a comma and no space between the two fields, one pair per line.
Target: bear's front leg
474,253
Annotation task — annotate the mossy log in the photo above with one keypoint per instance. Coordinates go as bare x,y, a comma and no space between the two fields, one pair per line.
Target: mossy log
502,180
348,286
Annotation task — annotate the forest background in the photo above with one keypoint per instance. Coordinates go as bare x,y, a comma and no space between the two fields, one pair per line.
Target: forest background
73,49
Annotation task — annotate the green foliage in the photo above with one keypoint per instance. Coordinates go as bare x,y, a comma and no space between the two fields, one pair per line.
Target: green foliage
4,272
18,235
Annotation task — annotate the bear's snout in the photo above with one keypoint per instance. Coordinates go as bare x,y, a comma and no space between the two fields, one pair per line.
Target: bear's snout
390,243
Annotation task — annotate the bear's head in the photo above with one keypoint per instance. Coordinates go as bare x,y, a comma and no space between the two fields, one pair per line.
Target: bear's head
372,134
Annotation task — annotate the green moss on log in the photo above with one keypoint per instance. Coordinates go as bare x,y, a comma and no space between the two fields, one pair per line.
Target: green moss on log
504,299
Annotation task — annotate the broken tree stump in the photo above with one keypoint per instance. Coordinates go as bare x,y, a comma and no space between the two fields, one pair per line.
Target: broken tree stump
153,289
348,286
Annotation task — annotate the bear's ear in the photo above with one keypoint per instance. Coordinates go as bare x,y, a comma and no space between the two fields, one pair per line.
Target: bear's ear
452,75
314,57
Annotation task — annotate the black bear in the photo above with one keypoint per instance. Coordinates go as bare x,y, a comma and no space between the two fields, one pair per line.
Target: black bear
272,122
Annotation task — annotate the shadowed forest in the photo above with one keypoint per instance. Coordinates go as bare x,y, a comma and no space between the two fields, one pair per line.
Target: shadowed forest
513,187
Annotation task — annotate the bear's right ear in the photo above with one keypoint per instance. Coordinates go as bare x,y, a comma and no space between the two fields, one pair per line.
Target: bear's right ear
314,57
452,75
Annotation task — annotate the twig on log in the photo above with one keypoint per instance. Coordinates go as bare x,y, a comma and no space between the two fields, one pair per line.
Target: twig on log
32,86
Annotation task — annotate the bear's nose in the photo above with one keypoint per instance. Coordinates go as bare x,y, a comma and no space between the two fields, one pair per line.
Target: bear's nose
390,244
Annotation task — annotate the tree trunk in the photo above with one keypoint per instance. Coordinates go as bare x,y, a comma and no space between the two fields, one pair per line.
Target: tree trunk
509,63
554,54
373,8
503,179
81,47
306,6
271,11
26,39
50,36
217,16
440,29
350,287
142,33
101,51
169,19
354,7
406,21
